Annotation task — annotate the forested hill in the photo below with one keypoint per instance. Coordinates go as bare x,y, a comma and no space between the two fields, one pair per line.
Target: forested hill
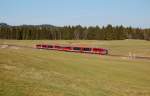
50,32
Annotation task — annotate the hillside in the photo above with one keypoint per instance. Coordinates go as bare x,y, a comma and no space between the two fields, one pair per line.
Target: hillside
33,72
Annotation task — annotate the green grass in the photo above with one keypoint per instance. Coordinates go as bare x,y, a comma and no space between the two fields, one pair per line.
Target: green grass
118,47
31,72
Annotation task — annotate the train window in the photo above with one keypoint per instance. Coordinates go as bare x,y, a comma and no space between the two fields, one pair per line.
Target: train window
50,46
57,46
38,45
44,46
67,47
76,48
87,49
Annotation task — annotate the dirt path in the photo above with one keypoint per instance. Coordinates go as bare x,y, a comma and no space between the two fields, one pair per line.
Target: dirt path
13,46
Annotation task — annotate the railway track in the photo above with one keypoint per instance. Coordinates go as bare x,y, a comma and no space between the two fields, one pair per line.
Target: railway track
112,55
136,57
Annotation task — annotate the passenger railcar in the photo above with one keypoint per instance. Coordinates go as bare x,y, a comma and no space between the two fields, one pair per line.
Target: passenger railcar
101,51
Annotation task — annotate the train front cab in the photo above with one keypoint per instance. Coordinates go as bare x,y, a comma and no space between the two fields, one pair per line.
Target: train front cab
39,46
100,51
104,52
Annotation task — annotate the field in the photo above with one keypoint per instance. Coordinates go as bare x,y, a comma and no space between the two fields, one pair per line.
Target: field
34,72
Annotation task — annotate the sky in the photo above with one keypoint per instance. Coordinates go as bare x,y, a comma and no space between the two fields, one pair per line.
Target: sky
135,13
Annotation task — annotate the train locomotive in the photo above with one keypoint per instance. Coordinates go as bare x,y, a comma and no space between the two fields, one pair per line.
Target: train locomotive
77,49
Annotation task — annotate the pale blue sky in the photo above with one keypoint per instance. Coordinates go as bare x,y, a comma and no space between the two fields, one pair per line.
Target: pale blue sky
134,13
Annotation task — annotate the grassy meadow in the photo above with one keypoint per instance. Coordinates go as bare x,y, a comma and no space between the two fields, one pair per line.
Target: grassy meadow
118,47
33,72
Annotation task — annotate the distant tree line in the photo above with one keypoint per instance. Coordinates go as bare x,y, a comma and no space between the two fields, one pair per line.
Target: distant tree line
49,32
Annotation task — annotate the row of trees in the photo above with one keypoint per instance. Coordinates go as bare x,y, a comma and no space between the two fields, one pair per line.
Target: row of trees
38,32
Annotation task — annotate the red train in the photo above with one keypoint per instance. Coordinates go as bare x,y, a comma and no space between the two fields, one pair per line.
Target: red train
100,51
